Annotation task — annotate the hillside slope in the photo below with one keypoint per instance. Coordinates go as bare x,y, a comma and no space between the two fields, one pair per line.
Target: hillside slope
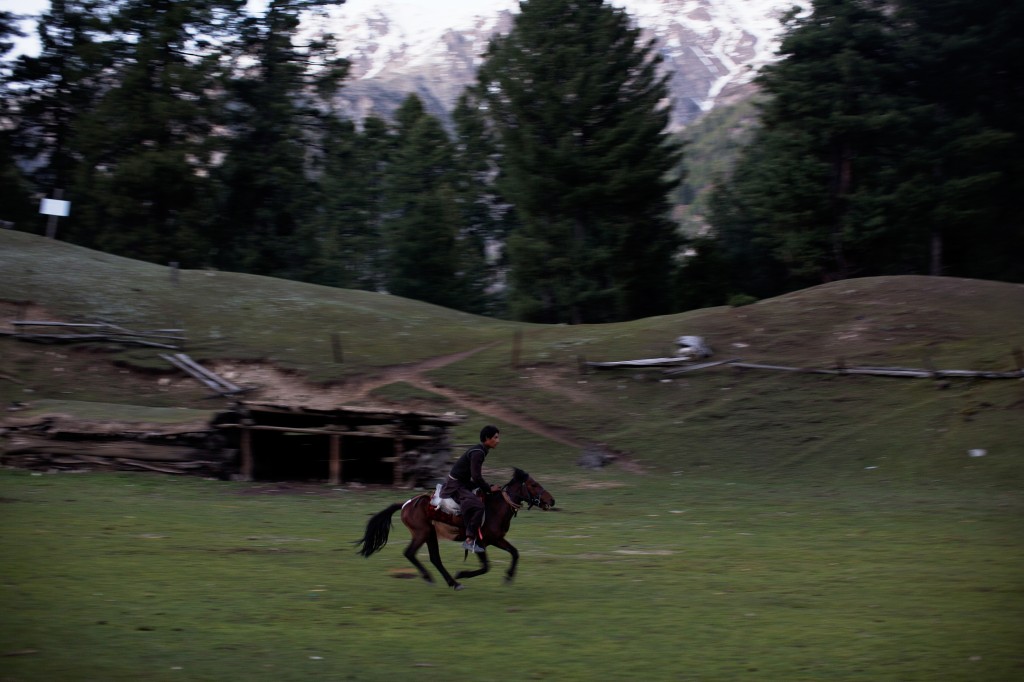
719,421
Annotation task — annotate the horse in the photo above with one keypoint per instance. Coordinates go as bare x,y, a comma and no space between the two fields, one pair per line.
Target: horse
426,525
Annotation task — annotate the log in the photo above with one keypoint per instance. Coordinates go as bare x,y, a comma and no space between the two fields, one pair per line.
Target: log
24,445
648,362
231,388
50,323
703,365
911,372
149,467
118,330
195,374
70,338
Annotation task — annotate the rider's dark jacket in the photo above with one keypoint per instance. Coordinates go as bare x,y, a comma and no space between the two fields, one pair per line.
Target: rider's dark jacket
468,469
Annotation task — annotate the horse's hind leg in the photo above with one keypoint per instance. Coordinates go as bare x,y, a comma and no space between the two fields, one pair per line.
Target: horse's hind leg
435,558
410,554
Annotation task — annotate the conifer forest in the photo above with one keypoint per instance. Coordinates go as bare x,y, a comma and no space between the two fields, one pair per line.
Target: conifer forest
887,139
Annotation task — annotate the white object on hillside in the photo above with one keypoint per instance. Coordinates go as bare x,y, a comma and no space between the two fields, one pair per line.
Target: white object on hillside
692,347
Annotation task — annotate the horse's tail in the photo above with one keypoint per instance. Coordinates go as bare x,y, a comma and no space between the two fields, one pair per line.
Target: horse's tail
377,530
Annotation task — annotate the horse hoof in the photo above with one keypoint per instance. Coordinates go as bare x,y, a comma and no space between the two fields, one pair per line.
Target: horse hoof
458,586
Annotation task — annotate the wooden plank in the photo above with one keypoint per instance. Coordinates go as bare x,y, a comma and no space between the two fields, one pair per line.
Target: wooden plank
325,431
379,414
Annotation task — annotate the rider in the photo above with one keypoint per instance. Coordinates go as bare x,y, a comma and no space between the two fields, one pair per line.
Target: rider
466,478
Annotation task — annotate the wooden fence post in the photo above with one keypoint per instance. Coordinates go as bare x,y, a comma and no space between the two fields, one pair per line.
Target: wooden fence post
517,342
335,476
336,350
398,473
246,445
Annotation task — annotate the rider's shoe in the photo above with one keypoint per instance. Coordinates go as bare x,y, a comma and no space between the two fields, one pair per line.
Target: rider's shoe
470,546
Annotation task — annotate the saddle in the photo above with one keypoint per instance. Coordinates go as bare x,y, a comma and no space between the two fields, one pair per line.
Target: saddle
444,504
445,510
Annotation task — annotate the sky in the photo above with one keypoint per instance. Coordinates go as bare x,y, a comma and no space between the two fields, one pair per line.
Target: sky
30,44
418,12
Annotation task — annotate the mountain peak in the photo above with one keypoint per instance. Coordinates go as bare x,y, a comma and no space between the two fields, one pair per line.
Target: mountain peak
712,47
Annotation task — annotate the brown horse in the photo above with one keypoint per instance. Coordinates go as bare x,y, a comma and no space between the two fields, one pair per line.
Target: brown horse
426,525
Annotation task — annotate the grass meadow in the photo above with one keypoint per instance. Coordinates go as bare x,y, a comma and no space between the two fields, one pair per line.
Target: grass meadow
671,577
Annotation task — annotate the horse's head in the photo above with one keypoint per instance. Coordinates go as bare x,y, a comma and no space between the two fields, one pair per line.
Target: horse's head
524,488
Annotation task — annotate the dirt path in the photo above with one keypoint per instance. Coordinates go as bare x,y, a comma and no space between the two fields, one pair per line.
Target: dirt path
277,386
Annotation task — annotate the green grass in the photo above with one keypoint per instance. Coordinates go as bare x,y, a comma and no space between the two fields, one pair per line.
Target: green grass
779,526
124,577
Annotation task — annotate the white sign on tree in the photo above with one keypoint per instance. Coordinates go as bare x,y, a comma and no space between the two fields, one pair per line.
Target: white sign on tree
55,208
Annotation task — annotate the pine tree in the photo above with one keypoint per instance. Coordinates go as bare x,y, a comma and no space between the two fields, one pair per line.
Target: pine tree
576,104
891,143
814,185
965,177
15,191
349,215
49,98
423,217
266,219
487,216
149,145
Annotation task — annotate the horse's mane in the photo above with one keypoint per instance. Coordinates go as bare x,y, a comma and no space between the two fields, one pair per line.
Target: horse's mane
518,475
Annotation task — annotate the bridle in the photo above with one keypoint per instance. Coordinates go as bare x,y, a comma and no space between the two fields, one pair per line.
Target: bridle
522,495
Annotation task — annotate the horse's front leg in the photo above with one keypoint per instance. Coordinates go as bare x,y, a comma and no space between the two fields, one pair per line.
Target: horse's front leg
510,548
435,558
485,566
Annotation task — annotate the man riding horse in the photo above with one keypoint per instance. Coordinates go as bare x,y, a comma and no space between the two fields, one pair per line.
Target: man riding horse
466,479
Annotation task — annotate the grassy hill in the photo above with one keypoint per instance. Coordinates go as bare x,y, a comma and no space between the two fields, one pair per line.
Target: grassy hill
719,422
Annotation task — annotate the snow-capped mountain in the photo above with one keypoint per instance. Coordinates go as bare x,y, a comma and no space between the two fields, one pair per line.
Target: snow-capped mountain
433,47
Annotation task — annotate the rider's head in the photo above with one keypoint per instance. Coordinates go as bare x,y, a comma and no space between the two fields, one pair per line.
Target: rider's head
487,433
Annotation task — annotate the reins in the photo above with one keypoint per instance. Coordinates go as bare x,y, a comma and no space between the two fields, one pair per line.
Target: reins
508,500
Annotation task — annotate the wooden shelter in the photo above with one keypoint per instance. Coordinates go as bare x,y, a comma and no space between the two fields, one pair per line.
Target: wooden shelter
344,444
248,441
